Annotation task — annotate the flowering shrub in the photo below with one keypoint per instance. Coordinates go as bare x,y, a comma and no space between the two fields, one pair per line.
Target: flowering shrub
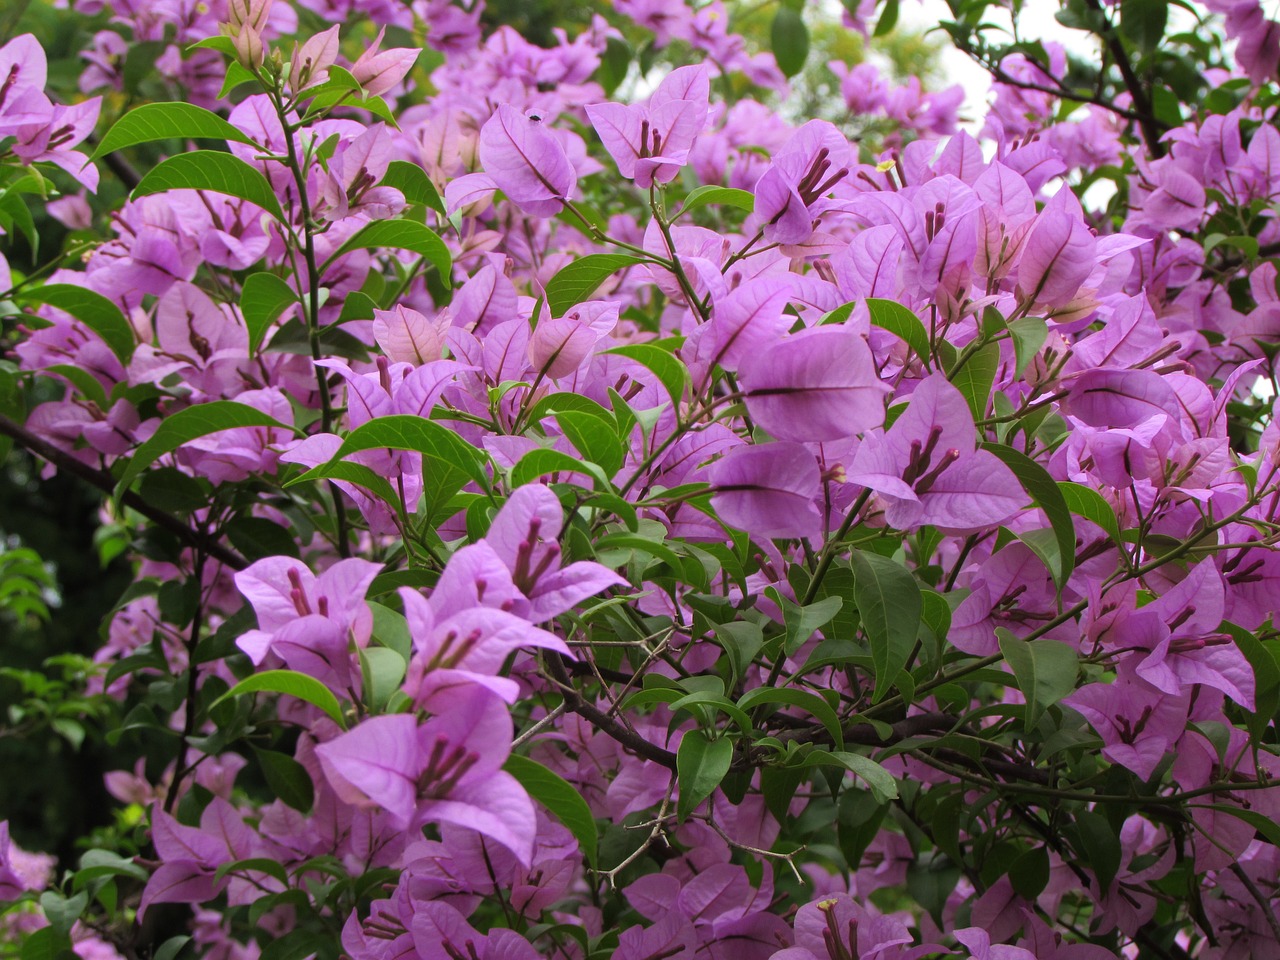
576,512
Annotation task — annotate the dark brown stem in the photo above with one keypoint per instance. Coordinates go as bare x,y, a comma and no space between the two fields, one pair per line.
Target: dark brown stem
105,482
601,720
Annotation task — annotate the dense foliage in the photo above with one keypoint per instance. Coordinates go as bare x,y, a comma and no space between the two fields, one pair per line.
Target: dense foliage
575,511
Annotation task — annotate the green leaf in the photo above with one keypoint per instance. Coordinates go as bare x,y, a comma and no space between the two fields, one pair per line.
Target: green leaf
789,39
1029,335
559,797
214,171
166,121
741,640
402,235
803,622
263,299
1045,671
671,373
931,880
1097,844
540,462
1088,503
383,670
1144,22
258,537
287,779
878,780
47,943
190,424
89,386
809,702
411,180
595,438
293,684
1030,873
93,310
718,196
404,432
576,281
888,19
902,323
62,912
977,377
889,604
701,764
1045,492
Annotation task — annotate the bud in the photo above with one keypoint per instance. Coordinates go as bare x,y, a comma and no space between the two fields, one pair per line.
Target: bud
251,13
379,72
249,49
311,61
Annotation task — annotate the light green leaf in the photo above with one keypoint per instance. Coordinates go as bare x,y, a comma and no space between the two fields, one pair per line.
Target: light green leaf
174,120
214,171
1029,335
293,684
382,669
889,604
578,280
977,377
717,196
902,323
403,235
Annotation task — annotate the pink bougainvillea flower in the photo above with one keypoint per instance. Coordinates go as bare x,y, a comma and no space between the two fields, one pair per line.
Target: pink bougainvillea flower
446,770
768,490
650,143
927,469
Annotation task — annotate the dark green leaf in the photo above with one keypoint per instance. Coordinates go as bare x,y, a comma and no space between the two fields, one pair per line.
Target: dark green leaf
1144,22
902,323
701,764
789,39
1045,671
411,180
808,702
671,373
560,798
404,432
1088,503
264,298
258,537
1097,845
287,779
189,424
1047,495
889,605
93,310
